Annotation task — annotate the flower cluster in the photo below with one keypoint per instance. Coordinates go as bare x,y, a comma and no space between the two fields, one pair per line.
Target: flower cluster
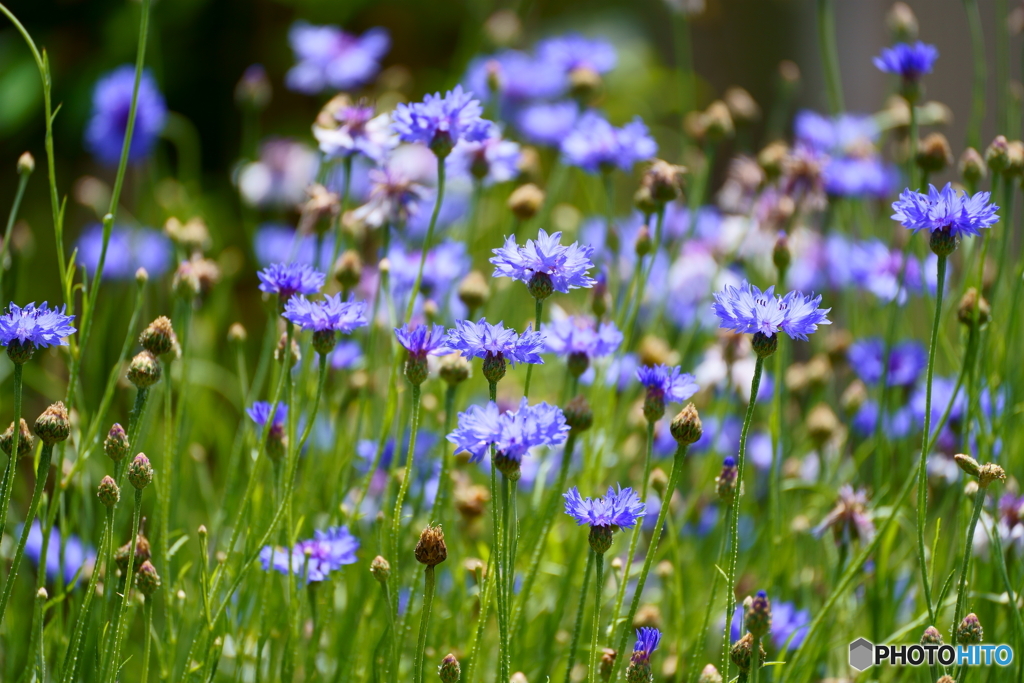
512,434
747,309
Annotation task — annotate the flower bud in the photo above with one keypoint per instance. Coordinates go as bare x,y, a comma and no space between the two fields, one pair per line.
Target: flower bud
973,309
26,163
972,166
54,426
997,156
474,290
116,444
348,271
710,675
140,472
24,440
144,370
430,549
902,22
643,244
146,579
741,105
141,276
237,333
253,88
970,631
525,201
509,467
763,345
741,653
758,619
108,492
772,159
449,671
159,338
822,424
945,678
381,569
934,154
854,396
584,83
606,664
644,202
143,552
578,415
664,180
967,464
781,255
686,426
296,354
658,481
726,482
931,636
454,369
718,121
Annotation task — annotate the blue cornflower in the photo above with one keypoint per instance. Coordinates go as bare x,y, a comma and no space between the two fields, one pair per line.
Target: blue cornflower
907,361
491,160
328,315
328,57
909,61
647,641
671,383
259,412
289,279
31,327
128,250
423,340
573,51
512,434
547,123
495,345
314,558
596,145
955,214
618,508
544,264
748,309
111,104
581,339
281,175
346,355
441,122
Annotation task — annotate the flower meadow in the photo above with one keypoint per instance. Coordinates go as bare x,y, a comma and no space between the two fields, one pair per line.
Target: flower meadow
492,377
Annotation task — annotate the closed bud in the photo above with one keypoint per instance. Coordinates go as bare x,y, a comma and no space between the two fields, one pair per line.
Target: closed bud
159,338
474,290
144,370
54,426
902,22
718,121
577,363
643,244
140,472
108,492
686,426
141,276
147,580
742,106
578,415
607,663
282,342
972,166
1014,158
24,440
116,444
664,180
931,636
970,632
997,156
772,159
143,552
710,675
974,309
758,619
658,481
934,154
525,201
449,671
253,88
584,83
854,396
822,424
454,369
781,255
237,333
726,483
430,549
381,569
348,270
945,678
643,200
26,163
967,464
741,653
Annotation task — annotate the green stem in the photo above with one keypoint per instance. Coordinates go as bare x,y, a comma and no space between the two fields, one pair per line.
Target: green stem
830,60
429,239
396,516
5,247
702,639
598,585
539,309
755,659
42,474
119,627
574,645
71,656
922,474
965,562
734,506
440,506
8,481
428,598
147,608
980,73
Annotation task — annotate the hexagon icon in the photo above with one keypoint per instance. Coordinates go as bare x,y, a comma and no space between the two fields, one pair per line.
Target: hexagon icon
861,654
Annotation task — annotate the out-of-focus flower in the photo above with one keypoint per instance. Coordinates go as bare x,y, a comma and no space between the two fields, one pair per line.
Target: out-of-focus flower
315,558
344,128
128,250
394,199
329,58
789,625
111,105
74,553
595,145
849,518
910,61
280,176
547,123
491,160
906,361
581,336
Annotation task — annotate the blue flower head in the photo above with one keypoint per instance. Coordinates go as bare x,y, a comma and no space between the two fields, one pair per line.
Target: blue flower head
441,122
907,360
259,412
314,558
512,434
288,279
671,383
484,340
909,61
647,641
544,264
127,250
947,210
596,145
618,508
573,52
39,327
547,123
111,104
329,58
423,340
328,315
747,309
491,160
580,335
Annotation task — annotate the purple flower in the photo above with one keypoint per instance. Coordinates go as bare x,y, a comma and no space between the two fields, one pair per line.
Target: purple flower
491,160
910,61
111,105
357,131
581,335
75,555
789,625
565,267
259,412
668,383
346,355
40,326
512,434
314,558
519,78
619,508
330,314
963,215
597,145
876,268
850,518
748,309
441,122
906,361
394,198
484,340
328,57
647,641
845,134
859,177
128,250
573,51
423,340
289,279
547,123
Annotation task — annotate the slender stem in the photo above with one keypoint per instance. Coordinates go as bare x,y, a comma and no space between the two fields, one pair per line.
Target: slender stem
830,60
505,588
147,608
574,645
922,474
428,598
980,73
71,656
8,481
129,575
486,591
755,659
539,309
440,506
403,490
42,474
5,247
394,660
702,638
734,532
965,562
638,299
598,585
429,239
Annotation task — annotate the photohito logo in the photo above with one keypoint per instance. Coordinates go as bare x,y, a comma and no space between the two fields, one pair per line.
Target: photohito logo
864,654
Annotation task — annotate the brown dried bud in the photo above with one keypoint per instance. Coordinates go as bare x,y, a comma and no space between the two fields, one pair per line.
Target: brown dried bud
24,440
431,550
